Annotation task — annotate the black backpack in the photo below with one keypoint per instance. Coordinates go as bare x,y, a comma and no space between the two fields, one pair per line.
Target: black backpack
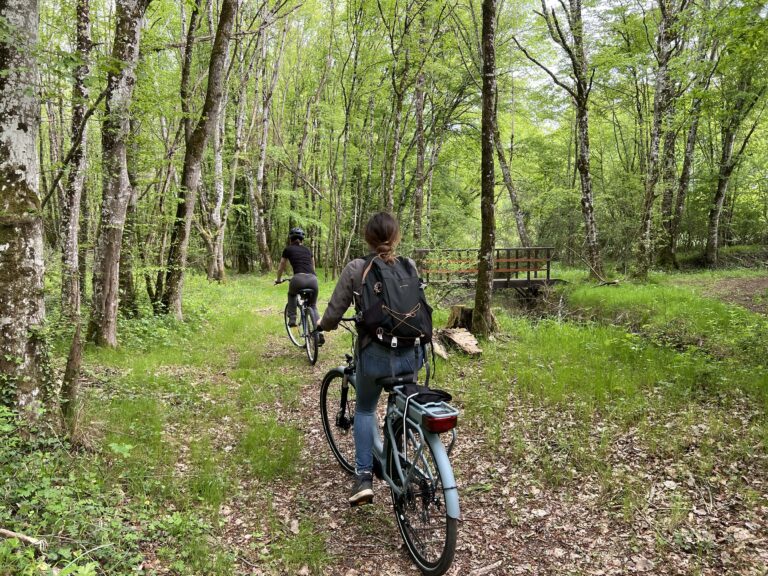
393,309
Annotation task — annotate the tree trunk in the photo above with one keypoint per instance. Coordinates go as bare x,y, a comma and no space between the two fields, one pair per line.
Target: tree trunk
746,96
215,213
239,148
587,202
727,164
669,184
206,125
667,45
24,369
392,164
84,244
116,190
54,162
645,246
70,209
708,51
522,230
129,305
482,318
258,191
579,93
418,192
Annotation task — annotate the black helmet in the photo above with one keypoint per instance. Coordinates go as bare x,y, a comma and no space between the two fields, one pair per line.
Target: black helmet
296,234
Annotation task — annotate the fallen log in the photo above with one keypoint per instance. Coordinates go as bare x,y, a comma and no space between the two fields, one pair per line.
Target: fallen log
438,347
461,338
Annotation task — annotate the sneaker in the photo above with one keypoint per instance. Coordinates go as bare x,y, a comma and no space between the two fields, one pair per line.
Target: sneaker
362,490
320,339
292,324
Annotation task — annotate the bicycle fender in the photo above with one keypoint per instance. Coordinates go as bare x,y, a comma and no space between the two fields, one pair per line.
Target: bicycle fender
450,490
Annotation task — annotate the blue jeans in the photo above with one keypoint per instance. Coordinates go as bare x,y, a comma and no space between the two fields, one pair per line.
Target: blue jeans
374,362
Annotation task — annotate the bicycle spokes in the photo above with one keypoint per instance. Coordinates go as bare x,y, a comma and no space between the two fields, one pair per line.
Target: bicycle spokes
428,532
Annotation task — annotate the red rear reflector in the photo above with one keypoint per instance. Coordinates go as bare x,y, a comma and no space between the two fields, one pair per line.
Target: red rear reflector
439,424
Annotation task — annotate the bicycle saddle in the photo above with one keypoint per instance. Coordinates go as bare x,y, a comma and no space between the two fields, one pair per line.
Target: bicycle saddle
389,382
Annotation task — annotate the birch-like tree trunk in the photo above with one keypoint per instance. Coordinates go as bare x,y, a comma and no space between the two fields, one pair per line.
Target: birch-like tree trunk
669,183
418,191
708,64
207,124
70,209
573,46
214,211
116,189
748,91
667,45
482,317
257,191
217,270
522,230
24,370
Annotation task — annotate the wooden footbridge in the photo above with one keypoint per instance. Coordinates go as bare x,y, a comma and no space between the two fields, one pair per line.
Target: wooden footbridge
524,269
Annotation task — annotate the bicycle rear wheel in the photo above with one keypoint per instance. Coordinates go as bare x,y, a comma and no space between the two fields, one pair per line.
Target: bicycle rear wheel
337,410
310,336
427,530
294,332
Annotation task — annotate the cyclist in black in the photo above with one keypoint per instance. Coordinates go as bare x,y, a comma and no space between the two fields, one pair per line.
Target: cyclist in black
304,277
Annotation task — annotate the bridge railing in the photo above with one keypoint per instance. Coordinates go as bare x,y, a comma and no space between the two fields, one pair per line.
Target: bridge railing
512,266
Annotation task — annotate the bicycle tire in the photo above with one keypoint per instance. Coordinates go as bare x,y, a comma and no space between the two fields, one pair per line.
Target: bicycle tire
338,416
310,336
421,510
294,333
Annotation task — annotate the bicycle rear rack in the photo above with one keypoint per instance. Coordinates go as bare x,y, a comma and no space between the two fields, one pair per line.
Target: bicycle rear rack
419,413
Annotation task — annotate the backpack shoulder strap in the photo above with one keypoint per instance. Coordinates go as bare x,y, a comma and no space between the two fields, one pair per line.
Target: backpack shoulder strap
369,261
409,264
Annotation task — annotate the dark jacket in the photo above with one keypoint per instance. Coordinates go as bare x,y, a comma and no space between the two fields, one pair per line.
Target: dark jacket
347,292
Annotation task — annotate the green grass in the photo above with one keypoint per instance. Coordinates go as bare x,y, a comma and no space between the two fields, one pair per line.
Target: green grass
270,449
679,317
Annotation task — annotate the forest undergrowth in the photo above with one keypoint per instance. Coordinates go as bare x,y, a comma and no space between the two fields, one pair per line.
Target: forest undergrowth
609,430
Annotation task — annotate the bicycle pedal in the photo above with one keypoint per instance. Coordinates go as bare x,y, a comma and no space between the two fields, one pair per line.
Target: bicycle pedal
361,502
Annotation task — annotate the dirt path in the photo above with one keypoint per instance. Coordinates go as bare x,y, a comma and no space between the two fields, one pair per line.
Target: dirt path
751,293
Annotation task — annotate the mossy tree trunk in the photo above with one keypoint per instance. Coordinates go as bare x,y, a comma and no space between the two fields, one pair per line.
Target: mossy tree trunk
482,318
70,209
116,190
24,373
207,124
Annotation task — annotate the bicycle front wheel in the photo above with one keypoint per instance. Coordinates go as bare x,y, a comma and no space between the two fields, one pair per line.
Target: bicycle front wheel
427,530
337,410
310,336
294,332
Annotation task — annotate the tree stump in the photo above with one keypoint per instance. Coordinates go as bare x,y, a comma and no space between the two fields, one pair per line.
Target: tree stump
461,317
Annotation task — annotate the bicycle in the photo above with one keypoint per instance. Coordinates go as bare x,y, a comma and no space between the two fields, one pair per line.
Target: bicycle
411,459
304,332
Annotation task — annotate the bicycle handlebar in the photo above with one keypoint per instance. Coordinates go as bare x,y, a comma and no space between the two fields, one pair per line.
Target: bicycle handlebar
282,281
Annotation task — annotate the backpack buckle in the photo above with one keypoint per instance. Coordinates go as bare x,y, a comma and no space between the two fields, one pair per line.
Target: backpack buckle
394,342
380,333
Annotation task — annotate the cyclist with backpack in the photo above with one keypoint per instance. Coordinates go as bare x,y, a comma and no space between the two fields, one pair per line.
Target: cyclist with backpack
303,264
394,324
